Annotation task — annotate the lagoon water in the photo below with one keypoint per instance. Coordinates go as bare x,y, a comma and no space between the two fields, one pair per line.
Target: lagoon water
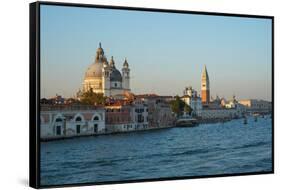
208,149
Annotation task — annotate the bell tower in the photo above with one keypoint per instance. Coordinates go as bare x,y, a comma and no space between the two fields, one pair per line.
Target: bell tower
205,86
126,76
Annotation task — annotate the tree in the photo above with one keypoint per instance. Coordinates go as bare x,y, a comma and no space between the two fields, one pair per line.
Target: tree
177,105
187,109
91,98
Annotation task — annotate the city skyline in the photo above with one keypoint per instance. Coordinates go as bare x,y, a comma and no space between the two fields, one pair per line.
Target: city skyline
164,59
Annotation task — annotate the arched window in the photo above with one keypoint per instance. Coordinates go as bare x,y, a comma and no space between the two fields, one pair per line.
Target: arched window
96,118
78,119
59,120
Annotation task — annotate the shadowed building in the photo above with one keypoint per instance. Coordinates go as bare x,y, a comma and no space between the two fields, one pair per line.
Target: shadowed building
205,86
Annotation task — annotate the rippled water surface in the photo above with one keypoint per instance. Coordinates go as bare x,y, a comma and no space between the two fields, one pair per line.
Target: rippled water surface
221,148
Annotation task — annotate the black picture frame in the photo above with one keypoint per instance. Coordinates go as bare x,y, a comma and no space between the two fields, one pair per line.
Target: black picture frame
34,91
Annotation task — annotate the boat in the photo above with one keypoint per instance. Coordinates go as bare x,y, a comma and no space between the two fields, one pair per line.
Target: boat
186,121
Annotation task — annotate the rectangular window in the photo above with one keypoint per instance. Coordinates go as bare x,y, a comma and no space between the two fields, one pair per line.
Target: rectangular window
58,130
78,129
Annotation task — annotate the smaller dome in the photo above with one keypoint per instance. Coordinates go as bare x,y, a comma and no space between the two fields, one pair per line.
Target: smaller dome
115,75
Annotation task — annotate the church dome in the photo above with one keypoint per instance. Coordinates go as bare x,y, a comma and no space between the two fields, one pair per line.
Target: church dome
116,75
94,71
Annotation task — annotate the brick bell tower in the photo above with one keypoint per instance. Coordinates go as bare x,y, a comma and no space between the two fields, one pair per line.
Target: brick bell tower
205,86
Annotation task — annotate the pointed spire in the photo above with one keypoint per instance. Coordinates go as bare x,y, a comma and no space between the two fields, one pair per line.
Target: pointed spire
205,69
112,64
99,54
205,73
125,64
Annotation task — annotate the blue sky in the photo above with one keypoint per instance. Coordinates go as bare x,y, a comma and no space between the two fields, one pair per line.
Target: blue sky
166,52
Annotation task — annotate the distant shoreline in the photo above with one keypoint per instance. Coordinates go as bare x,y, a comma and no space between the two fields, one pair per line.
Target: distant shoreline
199,121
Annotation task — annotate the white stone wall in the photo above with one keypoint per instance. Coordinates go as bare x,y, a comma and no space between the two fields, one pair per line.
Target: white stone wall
105,82
125,127
72,123
95,83
186,99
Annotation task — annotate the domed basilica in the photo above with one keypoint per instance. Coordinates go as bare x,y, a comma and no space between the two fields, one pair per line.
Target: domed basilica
104,77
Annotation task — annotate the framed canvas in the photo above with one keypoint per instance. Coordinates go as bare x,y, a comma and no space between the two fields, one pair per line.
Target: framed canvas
125,94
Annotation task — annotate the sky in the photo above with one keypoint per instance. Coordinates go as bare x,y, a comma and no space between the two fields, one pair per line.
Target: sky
166,52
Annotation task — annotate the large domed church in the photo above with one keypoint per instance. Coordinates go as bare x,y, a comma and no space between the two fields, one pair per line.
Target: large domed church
104,77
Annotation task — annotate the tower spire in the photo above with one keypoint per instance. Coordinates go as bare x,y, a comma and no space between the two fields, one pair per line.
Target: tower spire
205,73
205,86
125,64
99,45
112,64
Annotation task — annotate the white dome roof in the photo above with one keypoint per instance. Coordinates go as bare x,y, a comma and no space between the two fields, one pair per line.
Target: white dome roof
94,71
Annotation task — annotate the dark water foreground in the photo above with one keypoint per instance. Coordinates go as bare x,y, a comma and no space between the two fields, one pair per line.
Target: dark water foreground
209,149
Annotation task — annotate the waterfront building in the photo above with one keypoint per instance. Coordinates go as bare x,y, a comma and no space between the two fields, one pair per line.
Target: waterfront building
215,103
104,77
118,118
60,121
205,86
220,113
232,103
220,108
140,114
191,98
160,114
254,105
123,118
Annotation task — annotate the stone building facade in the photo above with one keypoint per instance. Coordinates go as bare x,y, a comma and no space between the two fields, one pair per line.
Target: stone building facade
123,118
59,121
191,98
104,77
260,106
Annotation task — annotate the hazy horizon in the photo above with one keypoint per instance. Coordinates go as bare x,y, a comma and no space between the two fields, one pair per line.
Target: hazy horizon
166,52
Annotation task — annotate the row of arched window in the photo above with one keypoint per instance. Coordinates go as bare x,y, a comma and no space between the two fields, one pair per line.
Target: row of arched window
77,119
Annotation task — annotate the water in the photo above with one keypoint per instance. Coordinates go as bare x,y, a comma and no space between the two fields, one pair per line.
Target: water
209,149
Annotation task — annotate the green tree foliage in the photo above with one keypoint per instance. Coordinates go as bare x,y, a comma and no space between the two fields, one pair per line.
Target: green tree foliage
187,109
177,105
92,98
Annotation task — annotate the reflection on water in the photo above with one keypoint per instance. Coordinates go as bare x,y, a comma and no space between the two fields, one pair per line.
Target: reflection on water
209,149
